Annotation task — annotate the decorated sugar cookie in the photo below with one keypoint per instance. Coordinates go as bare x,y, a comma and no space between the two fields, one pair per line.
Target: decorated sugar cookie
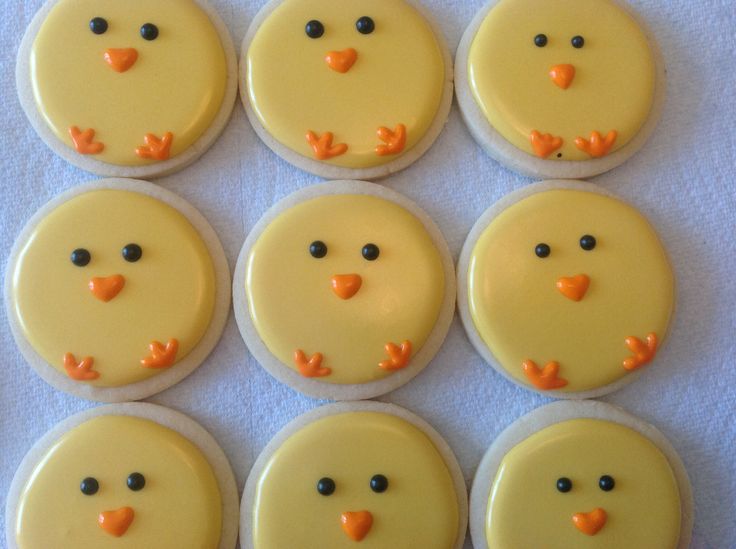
352,89
565,89
116,290
581,474
127,89
565,289
344,290
124,476
368,473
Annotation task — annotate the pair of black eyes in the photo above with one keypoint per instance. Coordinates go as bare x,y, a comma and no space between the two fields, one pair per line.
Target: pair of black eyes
605,483
364,25
318,250
99,25
130,252
587,243
326,486
541,40
89,486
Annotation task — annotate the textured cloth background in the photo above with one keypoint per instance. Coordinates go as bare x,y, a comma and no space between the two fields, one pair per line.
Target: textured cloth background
682,179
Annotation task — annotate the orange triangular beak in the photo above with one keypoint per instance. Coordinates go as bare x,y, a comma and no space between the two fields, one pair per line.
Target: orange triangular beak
562,75
574,287
116,522
106,288
341,61
356,524
121,59
346,286
590,523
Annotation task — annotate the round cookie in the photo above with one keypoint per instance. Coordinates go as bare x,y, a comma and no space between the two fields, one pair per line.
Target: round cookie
123,476
116,290
363,472
127,89
344,290
581,474
346,89
565,289
559,90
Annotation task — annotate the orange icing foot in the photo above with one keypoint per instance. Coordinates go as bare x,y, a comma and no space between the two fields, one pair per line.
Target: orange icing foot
161,356
84,141
395,141
544,144
643,352
311,367
80,371
545,378
323,147
398,356
155,148
597,146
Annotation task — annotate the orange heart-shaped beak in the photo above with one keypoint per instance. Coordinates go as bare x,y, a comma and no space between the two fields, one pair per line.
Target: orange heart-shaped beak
107,287
116,522
341,61
574,287
590,523
562,75
356,524
346,286
121,59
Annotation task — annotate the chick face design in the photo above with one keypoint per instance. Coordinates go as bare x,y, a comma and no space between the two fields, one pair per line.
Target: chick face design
568,290
129,83
329,81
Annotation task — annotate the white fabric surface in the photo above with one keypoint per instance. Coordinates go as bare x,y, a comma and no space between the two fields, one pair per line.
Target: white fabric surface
682,179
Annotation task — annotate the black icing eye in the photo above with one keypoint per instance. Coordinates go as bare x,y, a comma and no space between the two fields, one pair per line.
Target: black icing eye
540,40
98,25
542,250
136,481
149,31
81,257
370,252
606,483
365,25
89,486
132,253
564,485
379,484
587,242
577,42
314,29
326,486
318,249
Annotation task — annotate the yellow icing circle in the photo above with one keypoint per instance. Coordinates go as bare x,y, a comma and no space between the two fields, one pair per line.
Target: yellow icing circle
612,87
418,509
525,509
290,293
179,506
167,294
177,84
397,77
521,315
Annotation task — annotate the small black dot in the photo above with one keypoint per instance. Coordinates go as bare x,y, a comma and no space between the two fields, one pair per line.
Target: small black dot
81,257
379,483
98,25
587,242
149,31
559,155
370,252
314,29
365,25
326,486
606,483
136,481
540,40
89,486
132,253
564,485
542,250
318,249
577,42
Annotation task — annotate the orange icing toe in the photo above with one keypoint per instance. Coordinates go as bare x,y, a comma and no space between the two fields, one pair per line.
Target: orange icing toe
545,378
323,147
544,144
155,148
643,352
398,357
161,356
597,146
395,141
311,367
80,371
84,141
